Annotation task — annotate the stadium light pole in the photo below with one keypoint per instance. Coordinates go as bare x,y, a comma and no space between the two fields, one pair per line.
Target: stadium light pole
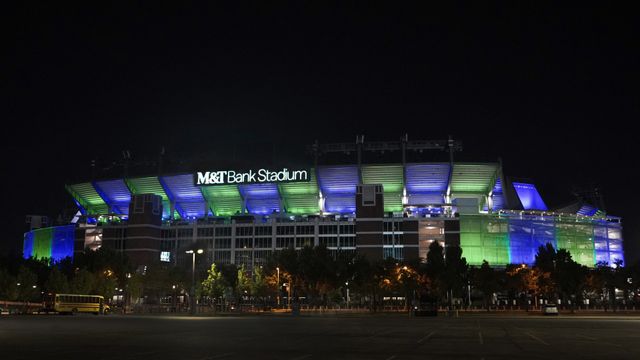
193,278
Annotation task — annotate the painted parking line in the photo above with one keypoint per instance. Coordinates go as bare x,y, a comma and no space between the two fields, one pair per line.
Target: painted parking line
426,337
586,337
480,338
537,338
390,357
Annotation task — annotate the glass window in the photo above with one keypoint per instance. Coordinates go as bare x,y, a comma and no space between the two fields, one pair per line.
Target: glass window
223,231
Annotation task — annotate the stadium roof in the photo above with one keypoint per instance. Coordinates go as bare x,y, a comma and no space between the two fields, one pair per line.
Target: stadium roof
335,186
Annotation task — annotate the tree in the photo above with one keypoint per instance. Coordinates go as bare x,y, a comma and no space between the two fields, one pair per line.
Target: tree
545,263
569,276
229,274
159,281
485,279
546,258
82,282
244,282
259,283
27,282
407,280
435,268
135,287
289,263
104,284
213,286
57,282
8,287
103,259
370,278
455,272
524,280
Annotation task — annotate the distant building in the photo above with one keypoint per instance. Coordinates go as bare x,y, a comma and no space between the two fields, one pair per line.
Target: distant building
241,216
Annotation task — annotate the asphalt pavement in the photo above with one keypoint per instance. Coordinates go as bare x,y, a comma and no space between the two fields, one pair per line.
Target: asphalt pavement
383,337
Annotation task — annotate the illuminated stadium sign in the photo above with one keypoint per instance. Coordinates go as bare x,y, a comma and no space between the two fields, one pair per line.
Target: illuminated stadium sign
226,177
165,256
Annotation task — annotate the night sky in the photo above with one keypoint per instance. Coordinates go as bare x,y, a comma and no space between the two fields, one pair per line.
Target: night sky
551,91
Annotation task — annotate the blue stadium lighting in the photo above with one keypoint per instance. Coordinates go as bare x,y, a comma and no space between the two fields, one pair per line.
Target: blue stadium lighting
340,204
338,185
116,193
263,206
426,178
526,236
529,196
62,242
27,248
587,210
259,191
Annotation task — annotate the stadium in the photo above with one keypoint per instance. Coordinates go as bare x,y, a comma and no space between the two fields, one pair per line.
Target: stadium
397,209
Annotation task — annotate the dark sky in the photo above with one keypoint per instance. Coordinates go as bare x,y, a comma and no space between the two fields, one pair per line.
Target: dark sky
552,91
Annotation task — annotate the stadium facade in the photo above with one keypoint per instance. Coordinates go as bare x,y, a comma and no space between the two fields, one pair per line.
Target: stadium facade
380,210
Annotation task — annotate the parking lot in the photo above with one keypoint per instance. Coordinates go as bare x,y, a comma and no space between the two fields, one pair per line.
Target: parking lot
383,337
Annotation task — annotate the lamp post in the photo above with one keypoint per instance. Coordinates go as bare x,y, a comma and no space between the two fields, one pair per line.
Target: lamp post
288,285
127,295
469,293
278,285
193,278
347,283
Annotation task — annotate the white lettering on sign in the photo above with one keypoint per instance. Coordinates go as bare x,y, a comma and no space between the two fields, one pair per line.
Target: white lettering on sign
251,176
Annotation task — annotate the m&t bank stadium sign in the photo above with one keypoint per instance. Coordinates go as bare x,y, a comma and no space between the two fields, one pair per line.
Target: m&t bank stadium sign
250,177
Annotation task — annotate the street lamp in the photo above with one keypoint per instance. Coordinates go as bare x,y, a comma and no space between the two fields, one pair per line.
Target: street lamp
347,283
278,285
174,301
288,285
193,278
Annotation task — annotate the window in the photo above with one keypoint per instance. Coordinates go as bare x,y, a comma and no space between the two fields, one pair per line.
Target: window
260,257
244,243
329,241
368,195
392,239
222,243
391,226
328,229
263,230
285,230
347,229
185,233
305,229
166,233
167,245
244,258
304,241
393,252
347,241
223,231
222,257
285,242
205,232
263,243
244,231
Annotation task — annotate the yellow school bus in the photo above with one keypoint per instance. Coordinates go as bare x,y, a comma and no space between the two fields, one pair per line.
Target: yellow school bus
74,303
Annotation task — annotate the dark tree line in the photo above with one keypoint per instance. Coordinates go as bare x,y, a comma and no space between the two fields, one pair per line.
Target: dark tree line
317,277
